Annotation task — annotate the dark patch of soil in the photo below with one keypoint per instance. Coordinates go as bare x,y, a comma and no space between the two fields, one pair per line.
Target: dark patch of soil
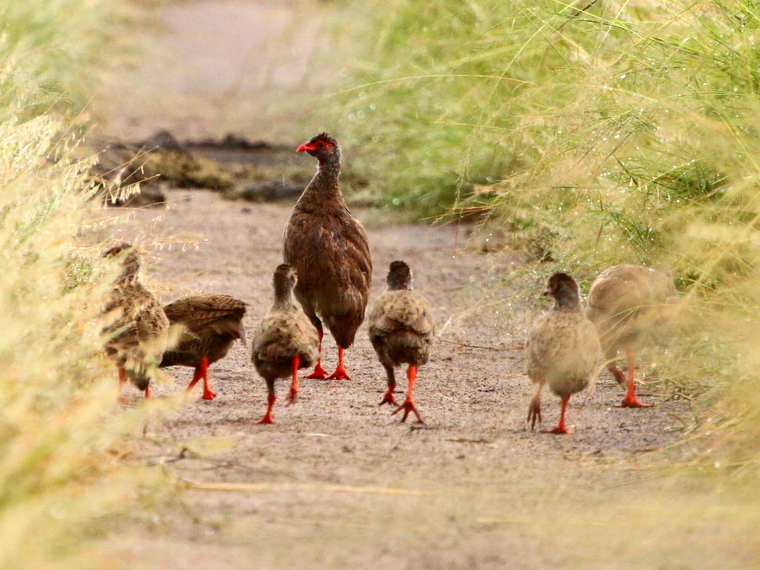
256,171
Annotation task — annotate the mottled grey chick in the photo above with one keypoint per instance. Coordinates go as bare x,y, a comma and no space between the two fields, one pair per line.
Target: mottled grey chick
629,304
401,329
284,341
562,349
136,330
209,324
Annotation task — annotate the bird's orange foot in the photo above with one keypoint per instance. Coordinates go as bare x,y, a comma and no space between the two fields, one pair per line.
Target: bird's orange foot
630,401
408,406
208,395
292,396
388,398
560,430
319,373
340,374
267,419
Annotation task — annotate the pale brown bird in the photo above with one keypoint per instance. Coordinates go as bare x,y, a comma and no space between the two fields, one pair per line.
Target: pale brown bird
562,349
628,303
284,341
401,330
329,250
136,330
209,325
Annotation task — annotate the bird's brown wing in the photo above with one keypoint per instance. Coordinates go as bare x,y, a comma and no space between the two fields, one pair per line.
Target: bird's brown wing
562,346
403,310
215,314
331,255
627,301
282,335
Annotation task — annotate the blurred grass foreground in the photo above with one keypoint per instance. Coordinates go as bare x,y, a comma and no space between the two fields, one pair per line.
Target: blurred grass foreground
57,469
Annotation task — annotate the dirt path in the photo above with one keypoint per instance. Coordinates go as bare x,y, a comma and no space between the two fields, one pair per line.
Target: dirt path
337,481
210,67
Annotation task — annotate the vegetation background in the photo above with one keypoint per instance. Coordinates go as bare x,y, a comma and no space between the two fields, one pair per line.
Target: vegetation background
593,133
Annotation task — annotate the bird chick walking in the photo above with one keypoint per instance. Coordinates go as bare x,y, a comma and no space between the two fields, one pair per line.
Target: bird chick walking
136,329
629,304
284,341
562,349
209,324
401,330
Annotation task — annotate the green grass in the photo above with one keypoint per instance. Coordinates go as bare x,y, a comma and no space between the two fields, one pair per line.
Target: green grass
626,132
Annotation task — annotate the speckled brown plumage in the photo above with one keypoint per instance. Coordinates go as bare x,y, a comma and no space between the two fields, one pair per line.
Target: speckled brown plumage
209,324
401,329
284,341
329,250
136,327
562,349
629,304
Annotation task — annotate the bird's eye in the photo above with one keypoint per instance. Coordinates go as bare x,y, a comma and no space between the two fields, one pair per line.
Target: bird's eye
321,144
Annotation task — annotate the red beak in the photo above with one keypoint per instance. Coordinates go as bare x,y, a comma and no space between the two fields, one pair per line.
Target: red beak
305,146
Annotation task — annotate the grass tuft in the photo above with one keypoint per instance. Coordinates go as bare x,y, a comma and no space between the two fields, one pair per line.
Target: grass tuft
593,134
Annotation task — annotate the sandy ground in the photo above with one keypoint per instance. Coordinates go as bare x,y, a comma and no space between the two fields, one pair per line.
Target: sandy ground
337,482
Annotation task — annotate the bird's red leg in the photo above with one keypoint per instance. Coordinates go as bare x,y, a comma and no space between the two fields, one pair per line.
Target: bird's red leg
319,372
207,393
122,381
561,429
294,386
340,372
629,400
197,375
389,398
619,376
391,379
147,392
408,405
267,419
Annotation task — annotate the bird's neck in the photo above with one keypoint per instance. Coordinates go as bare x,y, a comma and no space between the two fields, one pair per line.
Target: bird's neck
566,300
283,300
128,278
399,285
325,184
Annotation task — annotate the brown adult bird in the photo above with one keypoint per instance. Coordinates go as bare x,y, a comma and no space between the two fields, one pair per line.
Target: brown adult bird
209,325
284,341
562,349
401,330
136,330
328,248
628,303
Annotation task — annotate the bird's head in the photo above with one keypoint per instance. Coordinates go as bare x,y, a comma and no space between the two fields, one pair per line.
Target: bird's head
399,276
564,289
127,256
322,147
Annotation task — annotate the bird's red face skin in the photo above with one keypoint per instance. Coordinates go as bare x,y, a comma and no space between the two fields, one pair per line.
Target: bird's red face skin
314,146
